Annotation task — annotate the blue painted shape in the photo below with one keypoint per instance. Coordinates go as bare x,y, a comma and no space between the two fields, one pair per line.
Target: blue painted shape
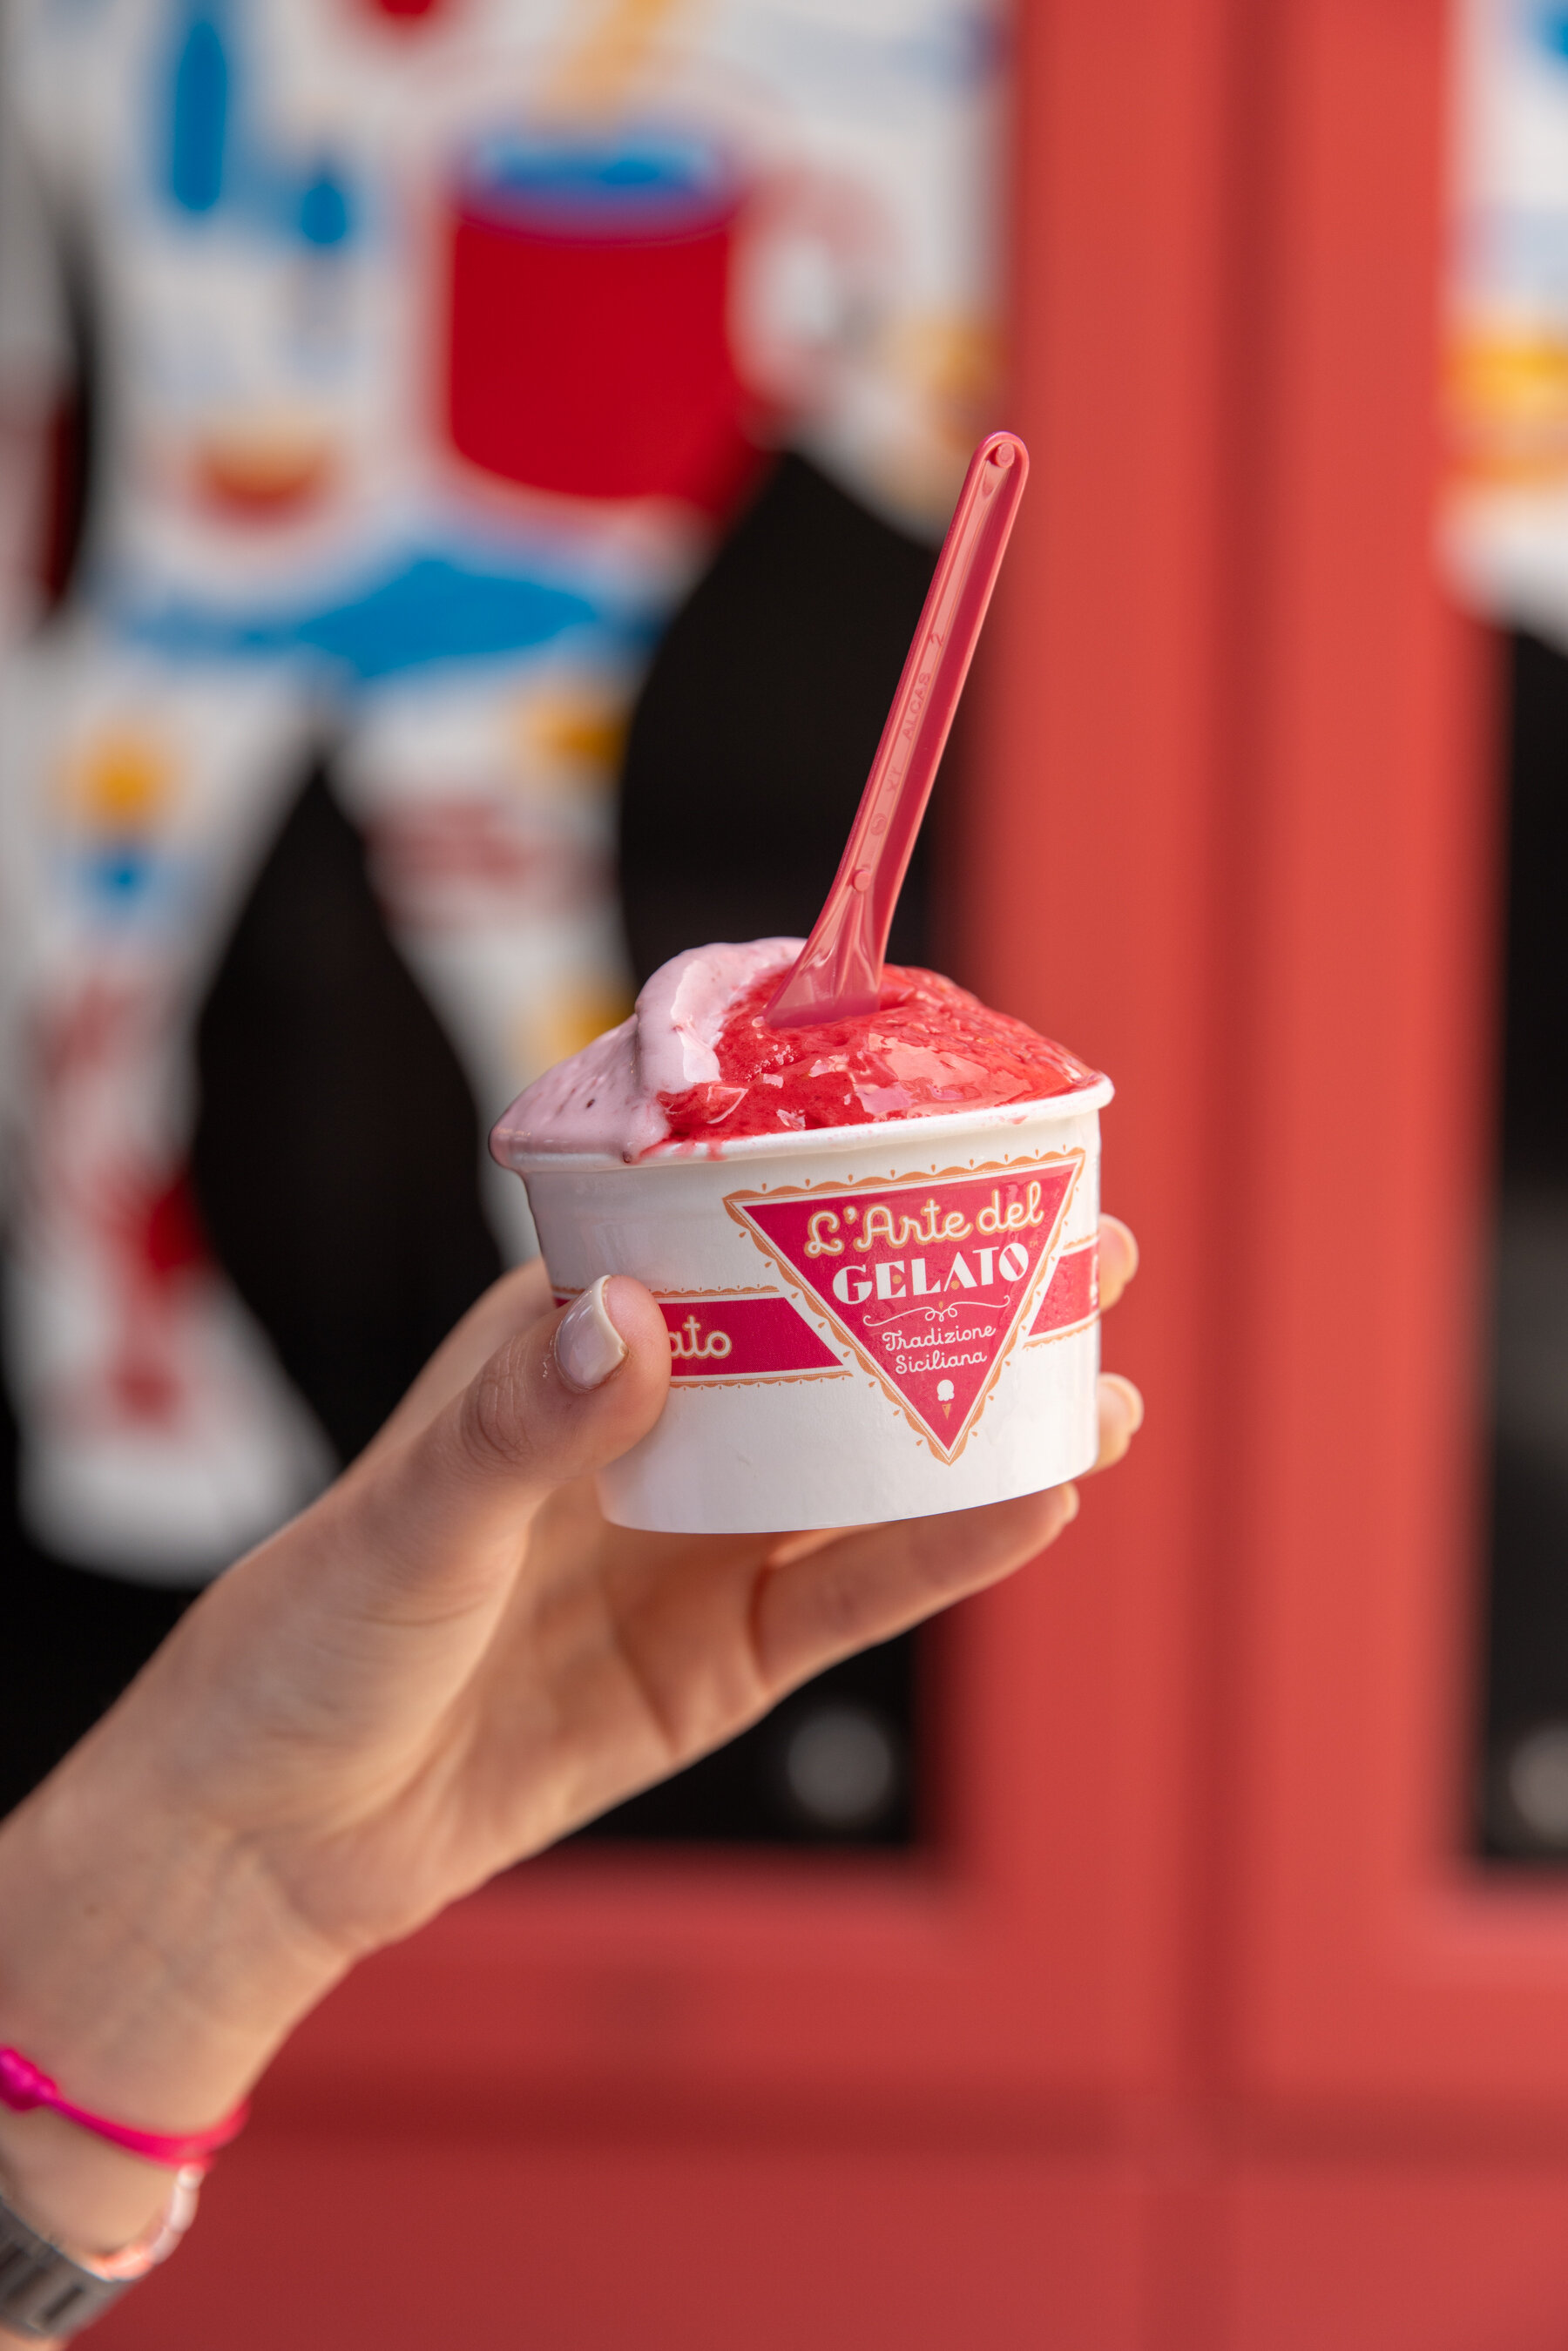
431,609
119,871
572,180
199,122
325,218
436,610
1549,21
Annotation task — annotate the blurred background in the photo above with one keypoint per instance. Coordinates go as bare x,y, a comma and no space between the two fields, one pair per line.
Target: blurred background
469,470
474,472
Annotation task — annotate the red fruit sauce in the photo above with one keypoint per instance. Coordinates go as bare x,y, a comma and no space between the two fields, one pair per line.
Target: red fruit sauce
930,1047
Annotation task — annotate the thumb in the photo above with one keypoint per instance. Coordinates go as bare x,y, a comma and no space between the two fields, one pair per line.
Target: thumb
567,1396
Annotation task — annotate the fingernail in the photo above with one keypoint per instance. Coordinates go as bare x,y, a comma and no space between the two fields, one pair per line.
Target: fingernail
1071,1503
587,1347
1130,1396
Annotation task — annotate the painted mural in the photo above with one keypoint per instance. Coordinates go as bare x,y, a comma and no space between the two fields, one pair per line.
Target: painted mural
1507,520
436,341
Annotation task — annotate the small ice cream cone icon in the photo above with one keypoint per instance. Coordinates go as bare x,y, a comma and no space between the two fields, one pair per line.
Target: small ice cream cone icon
945,1397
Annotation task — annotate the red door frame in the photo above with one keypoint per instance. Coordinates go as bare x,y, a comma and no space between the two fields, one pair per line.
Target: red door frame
1374,1964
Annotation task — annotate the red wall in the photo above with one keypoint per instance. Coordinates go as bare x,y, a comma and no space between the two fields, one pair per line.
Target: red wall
1198,2033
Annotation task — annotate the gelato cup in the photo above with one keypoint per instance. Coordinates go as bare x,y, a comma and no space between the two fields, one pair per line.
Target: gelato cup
872,1321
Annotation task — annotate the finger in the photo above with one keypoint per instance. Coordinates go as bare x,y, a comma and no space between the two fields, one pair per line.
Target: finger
367,1617
869,1586
1118,1259
784,1548
442,1519
1121,1417
508,1306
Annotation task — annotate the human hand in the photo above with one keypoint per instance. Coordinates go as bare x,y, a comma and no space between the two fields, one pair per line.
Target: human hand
448,1662
454,1659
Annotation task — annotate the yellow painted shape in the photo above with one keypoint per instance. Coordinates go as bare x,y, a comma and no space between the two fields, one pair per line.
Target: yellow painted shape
582,735
597,73
1508,405
122,782
953,360
573,1020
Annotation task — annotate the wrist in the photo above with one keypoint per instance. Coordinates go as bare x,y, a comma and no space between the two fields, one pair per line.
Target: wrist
49,2290
90,2198
147,1963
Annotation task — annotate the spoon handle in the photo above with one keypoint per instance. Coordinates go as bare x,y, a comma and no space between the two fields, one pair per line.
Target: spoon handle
838,973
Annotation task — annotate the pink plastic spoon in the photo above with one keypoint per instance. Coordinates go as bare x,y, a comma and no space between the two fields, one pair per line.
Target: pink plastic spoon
838,972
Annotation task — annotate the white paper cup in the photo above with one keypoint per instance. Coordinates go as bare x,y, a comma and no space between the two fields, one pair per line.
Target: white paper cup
866,1322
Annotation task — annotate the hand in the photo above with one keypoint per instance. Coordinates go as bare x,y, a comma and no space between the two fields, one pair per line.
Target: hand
446,1664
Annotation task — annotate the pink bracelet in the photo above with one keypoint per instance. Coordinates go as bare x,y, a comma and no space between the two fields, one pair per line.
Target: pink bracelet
22,2087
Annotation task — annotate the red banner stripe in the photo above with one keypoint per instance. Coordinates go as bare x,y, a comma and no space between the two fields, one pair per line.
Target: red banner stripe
1072,1295
738,1338
741,1338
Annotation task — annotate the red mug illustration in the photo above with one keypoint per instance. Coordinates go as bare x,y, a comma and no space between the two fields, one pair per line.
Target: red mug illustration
591,345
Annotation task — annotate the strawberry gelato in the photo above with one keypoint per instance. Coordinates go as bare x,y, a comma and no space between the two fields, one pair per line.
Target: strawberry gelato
697,1063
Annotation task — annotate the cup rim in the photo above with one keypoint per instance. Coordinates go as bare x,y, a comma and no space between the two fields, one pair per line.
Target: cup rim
747,1149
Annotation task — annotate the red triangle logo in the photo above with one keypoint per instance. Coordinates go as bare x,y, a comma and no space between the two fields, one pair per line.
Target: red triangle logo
929,1281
